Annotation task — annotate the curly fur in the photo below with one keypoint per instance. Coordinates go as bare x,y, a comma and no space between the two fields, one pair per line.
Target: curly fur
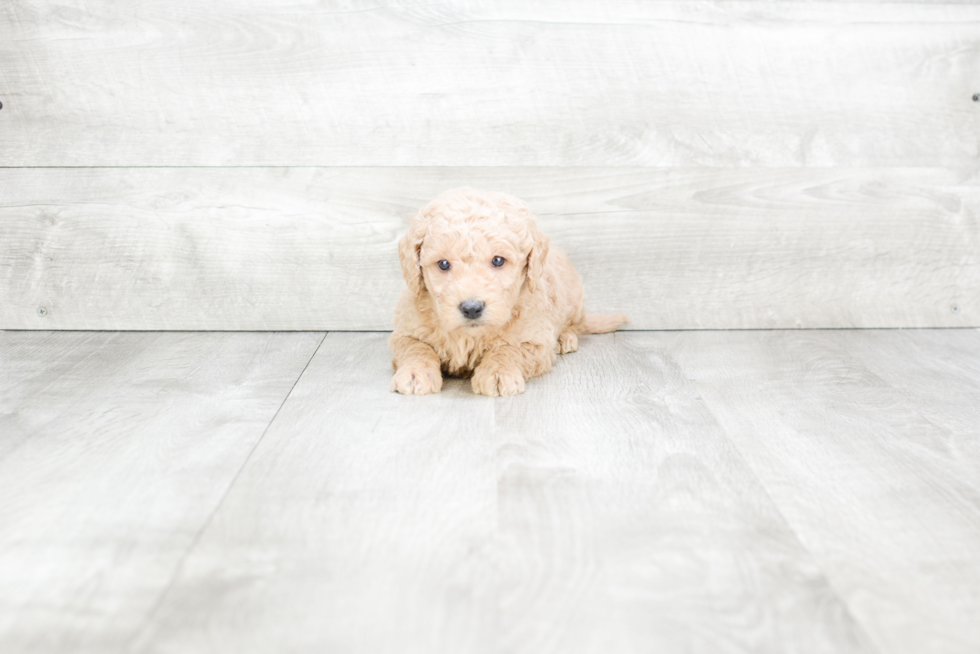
533,302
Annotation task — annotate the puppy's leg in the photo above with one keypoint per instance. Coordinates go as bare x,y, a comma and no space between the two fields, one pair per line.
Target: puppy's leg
567,342
416,366
504,369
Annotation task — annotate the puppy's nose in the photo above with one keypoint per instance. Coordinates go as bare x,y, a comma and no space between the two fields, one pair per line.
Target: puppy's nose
471,309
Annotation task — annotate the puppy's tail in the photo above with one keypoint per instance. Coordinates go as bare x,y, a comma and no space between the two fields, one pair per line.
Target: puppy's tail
601,323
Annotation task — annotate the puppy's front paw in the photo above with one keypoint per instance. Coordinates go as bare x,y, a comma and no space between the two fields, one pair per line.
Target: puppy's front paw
497,381
412,380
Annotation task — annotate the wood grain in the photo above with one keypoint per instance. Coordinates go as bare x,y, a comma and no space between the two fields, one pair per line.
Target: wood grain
315,248
871,471
629,522
938,373
114,451
362,523
553,83
671,492
601,511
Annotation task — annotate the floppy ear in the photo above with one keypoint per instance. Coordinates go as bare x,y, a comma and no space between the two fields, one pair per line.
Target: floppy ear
537,255
409,249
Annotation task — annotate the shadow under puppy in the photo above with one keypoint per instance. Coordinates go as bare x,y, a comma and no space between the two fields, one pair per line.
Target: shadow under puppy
485,297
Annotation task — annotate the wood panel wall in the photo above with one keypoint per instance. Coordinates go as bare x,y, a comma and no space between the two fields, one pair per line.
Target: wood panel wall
250,164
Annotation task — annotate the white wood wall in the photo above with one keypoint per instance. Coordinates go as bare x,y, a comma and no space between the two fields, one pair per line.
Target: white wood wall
250,164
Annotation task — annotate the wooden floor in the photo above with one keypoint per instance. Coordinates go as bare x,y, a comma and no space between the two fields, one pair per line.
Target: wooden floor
730,491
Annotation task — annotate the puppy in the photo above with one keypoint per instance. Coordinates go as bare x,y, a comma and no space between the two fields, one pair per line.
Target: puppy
485,297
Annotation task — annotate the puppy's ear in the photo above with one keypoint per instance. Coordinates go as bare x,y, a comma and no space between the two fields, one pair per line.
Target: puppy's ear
409,250
537,255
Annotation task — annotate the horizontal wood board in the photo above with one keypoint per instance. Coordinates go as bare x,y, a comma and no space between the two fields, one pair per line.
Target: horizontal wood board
315,248
550,83
115,450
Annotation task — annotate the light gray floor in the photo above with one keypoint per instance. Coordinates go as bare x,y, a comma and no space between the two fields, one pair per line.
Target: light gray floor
754,491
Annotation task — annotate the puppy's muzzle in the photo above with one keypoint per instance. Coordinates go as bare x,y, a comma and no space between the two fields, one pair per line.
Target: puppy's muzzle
471,309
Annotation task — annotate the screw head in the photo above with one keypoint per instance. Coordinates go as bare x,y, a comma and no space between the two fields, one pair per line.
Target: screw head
955,308
41,311
976,97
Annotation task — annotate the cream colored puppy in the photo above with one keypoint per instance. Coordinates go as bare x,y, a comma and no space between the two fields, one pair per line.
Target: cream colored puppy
485,296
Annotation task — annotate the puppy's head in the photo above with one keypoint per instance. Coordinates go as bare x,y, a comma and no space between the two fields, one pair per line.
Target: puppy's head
473,253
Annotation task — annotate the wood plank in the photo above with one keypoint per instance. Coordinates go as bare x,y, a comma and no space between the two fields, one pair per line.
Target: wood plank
887,500
629,523
315,248
114,451
553,83
603,510
938,373
362,523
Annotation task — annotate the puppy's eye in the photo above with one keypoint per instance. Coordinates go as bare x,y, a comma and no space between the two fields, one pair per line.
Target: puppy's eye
444,265
497,261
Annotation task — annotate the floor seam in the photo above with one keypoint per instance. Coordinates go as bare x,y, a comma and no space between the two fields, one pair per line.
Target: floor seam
868,638
858,624
207,522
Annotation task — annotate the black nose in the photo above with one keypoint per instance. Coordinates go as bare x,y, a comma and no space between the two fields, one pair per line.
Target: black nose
471,309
